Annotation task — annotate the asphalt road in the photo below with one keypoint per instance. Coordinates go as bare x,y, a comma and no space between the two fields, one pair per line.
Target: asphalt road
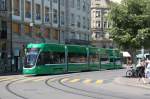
85,85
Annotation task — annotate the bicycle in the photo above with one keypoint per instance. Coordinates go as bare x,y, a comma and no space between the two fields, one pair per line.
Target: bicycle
131,73
135,72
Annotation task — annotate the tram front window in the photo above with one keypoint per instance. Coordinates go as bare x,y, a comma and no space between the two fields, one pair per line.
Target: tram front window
30,59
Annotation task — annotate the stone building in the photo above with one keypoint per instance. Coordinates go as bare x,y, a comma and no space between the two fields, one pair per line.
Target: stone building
43,21
100,23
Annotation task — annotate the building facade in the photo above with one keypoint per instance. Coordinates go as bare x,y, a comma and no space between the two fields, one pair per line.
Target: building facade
44,21
4,36
50,20
100,23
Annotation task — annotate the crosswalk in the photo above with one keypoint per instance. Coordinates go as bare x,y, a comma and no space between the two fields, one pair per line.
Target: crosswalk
64,80
83,81
22,79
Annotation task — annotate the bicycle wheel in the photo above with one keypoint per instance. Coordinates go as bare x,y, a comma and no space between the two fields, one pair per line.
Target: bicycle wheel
129,73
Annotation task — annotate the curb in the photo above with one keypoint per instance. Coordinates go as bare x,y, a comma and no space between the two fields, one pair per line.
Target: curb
119,81
9,74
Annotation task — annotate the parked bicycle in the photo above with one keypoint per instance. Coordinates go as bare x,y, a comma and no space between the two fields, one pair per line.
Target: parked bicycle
135,72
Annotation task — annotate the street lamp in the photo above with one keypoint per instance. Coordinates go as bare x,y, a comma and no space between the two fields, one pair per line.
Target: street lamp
59,20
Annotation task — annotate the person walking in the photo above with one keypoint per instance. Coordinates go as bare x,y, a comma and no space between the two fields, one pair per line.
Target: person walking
141,70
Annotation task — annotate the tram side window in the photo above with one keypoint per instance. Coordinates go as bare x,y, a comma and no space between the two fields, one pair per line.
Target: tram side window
118,61
51,58
111,59
94,58
104,60
77,58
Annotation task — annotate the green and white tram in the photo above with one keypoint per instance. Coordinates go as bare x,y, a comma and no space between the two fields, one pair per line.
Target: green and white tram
59,58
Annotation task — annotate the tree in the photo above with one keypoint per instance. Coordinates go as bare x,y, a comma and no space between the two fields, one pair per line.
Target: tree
130,23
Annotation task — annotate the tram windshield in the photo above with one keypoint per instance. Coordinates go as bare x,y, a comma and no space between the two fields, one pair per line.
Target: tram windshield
30,59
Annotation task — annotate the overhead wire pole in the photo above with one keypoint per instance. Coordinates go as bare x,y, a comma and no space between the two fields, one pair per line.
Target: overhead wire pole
11,42
59,21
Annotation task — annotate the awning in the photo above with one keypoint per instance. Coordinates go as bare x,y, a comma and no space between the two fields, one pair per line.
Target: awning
142,56
126,54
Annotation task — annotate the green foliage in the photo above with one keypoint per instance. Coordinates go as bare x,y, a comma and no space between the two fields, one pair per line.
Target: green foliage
130,23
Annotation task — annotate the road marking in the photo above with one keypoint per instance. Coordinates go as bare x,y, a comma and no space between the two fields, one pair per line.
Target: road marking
39,79
6,79
65,79
99,82
24,80
74,80
87,81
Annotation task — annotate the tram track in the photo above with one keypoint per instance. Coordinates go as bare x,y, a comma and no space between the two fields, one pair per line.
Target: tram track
85,93
8,88
91,92
67,91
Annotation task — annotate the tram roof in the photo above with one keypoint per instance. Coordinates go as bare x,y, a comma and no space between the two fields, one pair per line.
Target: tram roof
93,49
48,47
76,49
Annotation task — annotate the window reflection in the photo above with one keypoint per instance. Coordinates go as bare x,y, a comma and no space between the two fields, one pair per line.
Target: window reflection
94,58
46,58
77,58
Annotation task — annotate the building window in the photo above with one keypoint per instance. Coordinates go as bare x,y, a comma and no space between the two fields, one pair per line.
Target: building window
97,34
46,14
55,1
82,36
97,5
105,24
62,17
78,21
88,24
78,4
16,7
55,34
77,35
16,28
27,9
98,24
38,12
72,35
72,19
55,16
84,6
2,4
72,3
3,30
84,23
98,13
62,2
27,29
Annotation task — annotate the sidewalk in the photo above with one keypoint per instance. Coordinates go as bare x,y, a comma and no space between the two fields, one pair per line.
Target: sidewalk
10,73
135,82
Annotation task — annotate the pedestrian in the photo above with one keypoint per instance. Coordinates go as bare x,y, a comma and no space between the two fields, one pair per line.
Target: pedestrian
22,57
147,70
141,70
